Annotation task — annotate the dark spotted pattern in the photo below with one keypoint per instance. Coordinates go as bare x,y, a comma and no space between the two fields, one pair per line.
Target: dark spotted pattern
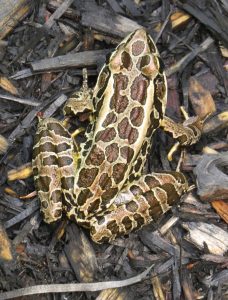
151,181
151,45
160,86
126,131
126,60
139,89
136,190
87,177
102,82
132,206
138,165
105,182
126,221
56,129
113,226
94,206
144,149
139,219
106,135
84,194
43,183
56,196
112,152
136,116
67,182
108,195
138,47
44,204
95,157
65,161
118,172
46,147
51,160
127,153
144,61
118,102
110,119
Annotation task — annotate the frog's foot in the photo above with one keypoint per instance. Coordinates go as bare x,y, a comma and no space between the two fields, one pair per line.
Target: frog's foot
80,101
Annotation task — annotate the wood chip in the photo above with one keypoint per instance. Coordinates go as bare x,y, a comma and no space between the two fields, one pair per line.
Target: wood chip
201,234
216,123
11,12
201,99
5,246
222,209
79,60
212,181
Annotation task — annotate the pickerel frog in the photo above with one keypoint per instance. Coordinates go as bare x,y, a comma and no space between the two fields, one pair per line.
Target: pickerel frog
104,190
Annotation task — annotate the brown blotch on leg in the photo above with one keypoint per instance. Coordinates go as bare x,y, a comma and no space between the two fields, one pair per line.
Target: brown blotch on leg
94,206
112,152
87,177
83,196
113,226
151,181
132,206
42,183
136,190
127,223
119,170
108,195
95,157
105,181
139,219
65,161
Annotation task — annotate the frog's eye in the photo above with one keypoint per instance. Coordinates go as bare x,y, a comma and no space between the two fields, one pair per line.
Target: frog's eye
149,65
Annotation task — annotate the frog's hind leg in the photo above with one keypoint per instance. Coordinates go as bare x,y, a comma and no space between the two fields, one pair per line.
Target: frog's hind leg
53,167
138,204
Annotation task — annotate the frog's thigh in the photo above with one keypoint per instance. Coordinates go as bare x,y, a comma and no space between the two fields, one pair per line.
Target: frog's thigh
53,166
140,203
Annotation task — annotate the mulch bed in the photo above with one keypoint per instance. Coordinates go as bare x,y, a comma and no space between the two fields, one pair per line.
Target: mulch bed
43,47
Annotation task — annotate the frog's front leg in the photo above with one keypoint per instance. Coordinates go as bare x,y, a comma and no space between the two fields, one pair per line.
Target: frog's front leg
138,204
187,133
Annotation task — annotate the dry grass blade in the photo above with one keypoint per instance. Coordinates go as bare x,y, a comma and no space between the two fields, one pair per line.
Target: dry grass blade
73,287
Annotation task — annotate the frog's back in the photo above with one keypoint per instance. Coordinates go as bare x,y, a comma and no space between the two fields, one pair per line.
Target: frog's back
130,99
